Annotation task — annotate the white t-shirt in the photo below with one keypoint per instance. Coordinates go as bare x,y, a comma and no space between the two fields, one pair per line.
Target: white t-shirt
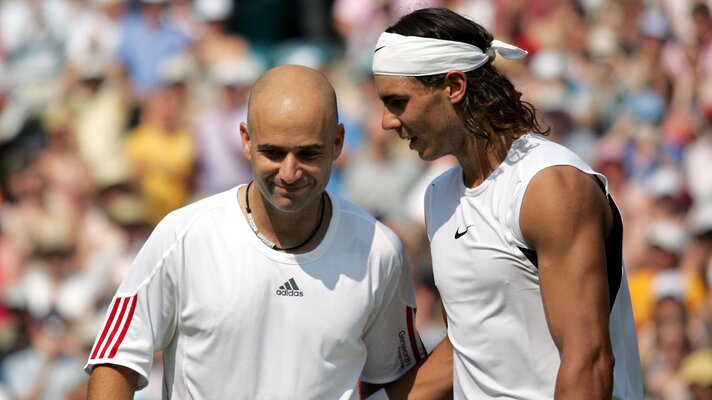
490,287
236,319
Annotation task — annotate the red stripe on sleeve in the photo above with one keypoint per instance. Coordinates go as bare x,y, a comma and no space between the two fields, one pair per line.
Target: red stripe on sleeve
411,333
107,325
116,326
134,300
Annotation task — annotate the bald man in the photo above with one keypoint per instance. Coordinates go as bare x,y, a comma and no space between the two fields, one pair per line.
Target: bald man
271,290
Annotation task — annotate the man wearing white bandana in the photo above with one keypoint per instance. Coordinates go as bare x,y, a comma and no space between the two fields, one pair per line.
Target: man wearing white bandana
525,238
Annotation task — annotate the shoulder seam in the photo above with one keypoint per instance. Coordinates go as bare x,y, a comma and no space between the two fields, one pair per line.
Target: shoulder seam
159,264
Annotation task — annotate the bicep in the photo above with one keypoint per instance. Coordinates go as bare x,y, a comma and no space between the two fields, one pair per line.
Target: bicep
570,248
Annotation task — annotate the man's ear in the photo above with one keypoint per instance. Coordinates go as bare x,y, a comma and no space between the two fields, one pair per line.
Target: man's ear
456,83
246,140
338,141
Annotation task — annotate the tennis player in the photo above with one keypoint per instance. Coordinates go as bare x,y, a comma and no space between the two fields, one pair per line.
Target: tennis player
525,238
271,290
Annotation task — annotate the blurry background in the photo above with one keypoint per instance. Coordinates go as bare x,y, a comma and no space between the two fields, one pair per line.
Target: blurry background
115,112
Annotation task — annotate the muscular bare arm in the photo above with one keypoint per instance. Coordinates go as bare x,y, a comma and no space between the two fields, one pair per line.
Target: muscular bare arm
565,216
112,382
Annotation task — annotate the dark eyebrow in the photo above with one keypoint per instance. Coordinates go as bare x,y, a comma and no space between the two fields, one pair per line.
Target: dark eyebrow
269,147
390,97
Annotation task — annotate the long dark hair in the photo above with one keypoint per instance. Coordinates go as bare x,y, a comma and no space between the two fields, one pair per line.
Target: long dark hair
491,106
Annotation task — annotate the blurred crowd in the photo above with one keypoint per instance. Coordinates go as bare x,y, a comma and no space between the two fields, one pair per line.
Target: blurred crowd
115,112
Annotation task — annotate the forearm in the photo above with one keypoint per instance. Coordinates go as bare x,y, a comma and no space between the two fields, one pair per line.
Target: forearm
429,380
585,377
112,382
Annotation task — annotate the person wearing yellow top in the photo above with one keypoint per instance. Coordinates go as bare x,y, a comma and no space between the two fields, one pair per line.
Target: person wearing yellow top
161,154
661,276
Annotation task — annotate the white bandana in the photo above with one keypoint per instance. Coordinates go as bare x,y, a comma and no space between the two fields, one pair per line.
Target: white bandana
420,56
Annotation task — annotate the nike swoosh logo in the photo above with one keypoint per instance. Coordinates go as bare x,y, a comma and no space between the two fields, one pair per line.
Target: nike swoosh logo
379,48
459,234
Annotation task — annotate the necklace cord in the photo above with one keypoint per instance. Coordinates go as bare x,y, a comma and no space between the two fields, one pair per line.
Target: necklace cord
268,242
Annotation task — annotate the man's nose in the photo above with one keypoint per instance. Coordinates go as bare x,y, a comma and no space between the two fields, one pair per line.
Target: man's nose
290,170
389,120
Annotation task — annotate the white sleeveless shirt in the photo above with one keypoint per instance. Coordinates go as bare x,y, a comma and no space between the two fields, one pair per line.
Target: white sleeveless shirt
487,276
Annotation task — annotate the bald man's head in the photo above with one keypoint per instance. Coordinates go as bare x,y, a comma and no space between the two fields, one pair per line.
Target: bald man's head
292,137
292,88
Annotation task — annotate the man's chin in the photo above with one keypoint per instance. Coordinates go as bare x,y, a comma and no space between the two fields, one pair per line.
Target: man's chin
293,200
289,204
426,155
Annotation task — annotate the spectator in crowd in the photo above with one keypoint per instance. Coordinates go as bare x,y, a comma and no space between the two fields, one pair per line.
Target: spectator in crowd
215,42
47,368
661,276
148,39
220,163
94,39
664,344
381,155
161,154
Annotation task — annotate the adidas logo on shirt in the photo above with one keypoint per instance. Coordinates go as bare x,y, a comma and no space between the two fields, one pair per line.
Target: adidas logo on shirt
290,288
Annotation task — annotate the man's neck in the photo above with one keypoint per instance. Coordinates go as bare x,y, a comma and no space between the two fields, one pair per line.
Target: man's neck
480,158
287,229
